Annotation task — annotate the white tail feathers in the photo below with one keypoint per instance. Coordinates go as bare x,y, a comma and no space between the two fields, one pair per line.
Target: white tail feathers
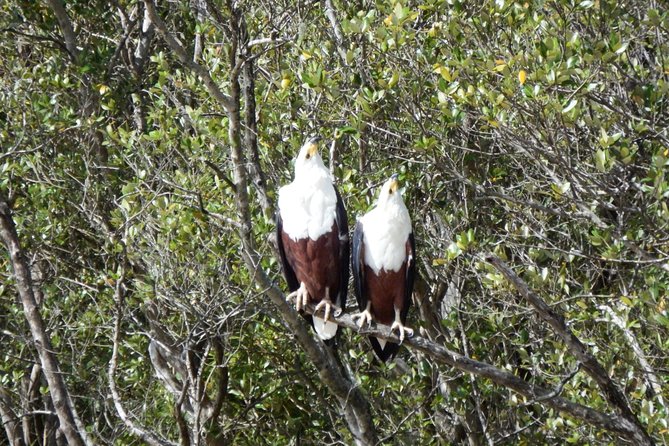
325,330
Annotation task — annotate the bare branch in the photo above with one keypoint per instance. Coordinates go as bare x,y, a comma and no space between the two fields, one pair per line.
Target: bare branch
558,390
251,136
267,41
66,27
610,422
57,42
334,22
144,44
613,395
354,405
9,419
349,395
136,430
222,375
651,376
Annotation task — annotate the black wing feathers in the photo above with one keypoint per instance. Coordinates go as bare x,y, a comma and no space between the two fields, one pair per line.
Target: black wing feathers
344,251
289,273
410,276
358,266
384,354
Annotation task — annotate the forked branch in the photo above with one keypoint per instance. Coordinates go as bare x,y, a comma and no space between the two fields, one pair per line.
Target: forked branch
590,364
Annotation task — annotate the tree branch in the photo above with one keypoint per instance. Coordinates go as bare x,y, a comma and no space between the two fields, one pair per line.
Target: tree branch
136,430
141,55
613,395
222,98
348,394
549,397
57,386
251,135
355,406
651,376
336,28
66,27
334,22
9,420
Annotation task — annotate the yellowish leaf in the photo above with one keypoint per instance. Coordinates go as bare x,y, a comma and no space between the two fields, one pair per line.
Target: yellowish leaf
393,79
446,74
522,76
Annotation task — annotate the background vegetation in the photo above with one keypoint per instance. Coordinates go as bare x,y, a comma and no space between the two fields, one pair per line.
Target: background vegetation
142,149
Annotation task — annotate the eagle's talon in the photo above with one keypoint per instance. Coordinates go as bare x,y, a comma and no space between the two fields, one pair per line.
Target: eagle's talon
328,307
301,296
364,316
401,330
291,296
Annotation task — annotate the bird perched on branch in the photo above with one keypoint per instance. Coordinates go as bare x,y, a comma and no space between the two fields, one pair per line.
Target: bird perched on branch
312,235
384,265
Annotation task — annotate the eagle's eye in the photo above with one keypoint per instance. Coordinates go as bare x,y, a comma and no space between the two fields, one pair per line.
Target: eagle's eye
308,156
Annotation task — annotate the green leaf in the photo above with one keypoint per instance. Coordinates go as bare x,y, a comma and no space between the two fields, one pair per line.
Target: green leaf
570,106
600,160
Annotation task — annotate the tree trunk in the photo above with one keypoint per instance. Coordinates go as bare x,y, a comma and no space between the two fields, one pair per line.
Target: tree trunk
57,386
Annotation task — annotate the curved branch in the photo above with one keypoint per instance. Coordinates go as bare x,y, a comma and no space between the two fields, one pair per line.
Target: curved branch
543,395
611,391
654,382
136,430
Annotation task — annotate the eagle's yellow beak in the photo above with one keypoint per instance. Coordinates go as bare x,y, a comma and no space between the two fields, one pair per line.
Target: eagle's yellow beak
312,149
394,184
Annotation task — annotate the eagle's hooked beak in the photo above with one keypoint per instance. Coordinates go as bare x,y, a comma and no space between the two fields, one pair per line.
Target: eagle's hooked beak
312,149
394,184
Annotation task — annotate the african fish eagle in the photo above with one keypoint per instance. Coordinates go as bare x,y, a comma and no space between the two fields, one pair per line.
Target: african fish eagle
312,234
384,265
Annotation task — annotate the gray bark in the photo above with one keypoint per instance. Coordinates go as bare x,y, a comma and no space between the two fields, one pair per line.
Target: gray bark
611,422
556,321
47,356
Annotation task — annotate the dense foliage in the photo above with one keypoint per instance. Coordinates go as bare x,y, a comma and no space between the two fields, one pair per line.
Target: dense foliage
535,131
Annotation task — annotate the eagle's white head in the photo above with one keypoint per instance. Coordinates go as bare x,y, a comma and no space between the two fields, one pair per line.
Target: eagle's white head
309,161
390,195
